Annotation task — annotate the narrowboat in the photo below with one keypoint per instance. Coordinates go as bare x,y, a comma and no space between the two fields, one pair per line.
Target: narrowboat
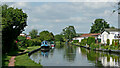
45,46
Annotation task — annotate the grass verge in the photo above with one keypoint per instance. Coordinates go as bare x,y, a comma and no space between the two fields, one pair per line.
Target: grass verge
24,60
21,60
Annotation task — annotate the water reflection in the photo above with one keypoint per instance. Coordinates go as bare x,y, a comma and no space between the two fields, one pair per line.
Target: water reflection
101,58
69,55
45,54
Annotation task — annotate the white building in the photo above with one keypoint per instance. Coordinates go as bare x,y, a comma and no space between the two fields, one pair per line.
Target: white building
78,38
86,36
22,34
109,34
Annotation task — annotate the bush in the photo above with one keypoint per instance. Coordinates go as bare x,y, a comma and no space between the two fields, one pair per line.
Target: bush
116,42
92,45
113,42
29,43
106,47
23,42
90,40
108,41
33,42
36,42
83,42
75,41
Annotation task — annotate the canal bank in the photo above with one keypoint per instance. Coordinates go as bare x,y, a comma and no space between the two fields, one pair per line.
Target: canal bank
20,58
97,49
24,60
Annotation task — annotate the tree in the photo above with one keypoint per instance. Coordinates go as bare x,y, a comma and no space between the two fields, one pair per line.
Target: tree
33,33
45,35
98,26
13,23
58,38
112,27
90,40
69,33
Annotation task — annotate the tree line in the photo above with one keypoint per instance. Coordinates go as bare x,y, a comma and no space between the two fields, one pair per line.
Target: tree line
66,35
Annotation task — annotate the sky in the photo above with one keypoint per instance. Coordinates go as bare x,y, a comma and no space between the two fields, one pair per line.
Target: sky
55,16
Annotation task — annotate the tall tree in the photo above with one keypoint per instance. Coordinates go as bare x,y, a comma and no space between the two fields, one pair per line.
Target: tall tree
69,33
58,38
13,23
45,35
33,33
98,26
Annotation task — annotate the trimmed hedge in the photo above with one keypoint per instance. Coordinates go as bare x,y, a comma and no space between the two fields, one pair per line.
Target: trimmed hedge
75,41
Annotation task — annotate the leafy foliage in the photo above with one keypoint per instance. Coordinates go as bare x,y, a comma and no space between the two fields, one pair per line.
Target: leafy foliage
13,23
58,37
21,41
83,42
108,41
69,33
90,40
45,35
33,33
98,26
75,41
113,42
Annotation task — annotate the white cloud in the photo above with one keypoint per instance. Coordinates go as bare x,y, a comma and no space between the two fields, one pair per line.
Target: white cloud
19,4
35,20
59,15
97,5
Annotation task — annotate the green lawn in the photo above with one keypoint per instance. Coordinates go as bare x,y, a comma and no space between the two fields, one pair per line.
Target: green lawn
24,60
21,60
32,48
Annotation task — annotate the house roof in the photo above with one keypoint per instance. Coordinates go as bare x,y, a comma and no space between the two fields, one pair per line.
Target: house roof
111,30
88,35
91,34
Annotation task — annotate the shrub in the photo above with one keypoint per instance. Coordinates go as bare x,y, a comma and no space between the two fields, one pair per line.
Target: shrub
117,42
90,40
92,45
75,41
83,42
21,41
113,42
106,47
108,41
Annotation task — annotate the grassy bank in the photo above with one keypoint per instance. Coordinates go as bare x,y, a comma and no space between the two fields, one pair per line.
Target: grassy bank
21,60
24,60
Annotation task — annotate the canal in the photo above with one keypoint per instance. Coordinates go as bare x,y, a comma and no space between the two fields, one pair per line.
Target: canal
70,55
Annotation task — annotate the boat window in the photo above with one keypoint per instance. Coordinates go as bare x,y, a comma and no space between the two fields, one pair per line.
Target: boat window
45,42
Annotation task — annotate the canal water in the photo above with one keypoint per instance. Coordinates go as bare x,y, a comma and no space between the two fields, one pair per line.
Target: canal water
70,55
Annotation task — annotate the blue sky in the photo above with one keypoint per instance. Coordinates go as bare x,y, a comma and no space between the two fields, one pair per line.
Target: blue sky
54,16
